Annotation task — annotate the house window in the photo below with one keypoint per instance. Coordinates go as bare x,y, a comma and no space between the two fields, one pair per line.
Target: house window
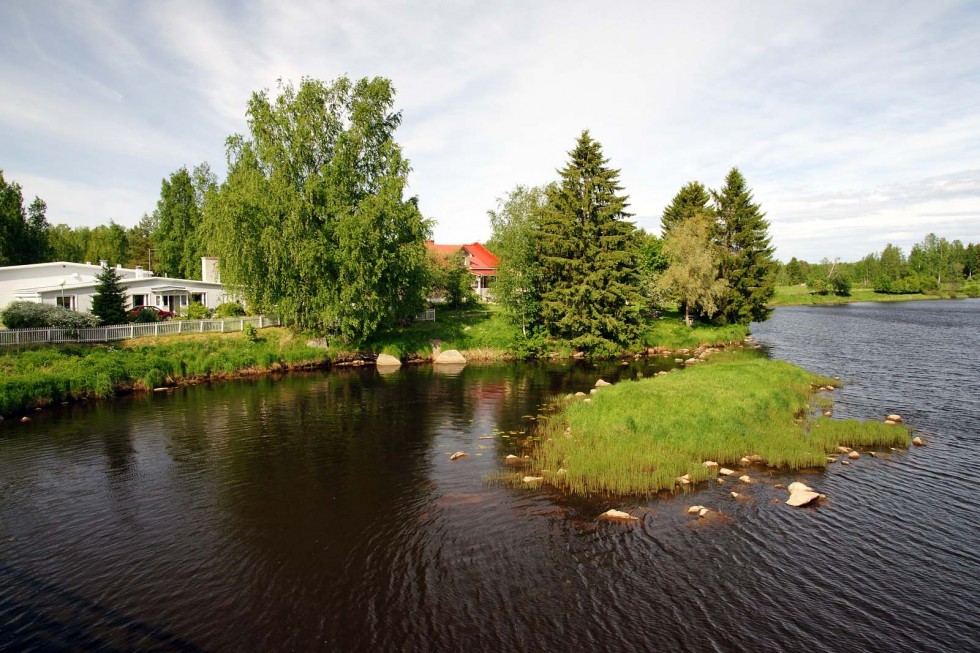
199,298
139,300
183,300
68,301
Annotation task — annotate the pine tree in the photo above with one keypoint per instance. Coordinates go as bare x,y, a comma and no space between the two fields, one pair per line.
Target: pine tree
691,200
746,253
109,301
589,255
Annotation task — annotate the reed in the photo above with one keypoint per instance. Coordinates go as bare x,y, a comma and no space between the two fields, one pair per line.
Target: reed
637,437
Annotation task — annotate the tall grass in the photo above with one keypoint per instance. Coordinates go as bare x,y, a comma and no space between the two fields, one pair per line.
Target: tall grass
671,332
637,437
36,377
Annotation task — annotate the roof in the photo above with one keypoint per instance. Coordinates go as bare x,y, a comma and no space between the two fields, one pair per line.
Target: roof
481,260
174,283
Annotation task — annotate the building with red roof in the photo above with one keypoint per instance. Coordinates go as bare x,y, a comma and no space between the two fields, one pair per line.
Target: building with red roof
480,261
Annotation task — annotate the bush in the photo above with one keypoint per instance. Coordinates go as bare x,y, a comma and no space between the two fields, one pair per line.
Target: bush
229,309
197,311
145,316
841,285
29,315
251,333
818,286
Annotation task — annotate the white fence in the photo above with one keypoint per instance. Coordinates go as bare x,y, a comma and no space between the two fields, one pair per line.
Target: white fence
428,315
127,331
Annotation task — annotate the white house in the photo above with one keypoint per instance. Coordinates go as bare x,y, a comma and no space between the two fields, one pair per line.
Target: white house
72,285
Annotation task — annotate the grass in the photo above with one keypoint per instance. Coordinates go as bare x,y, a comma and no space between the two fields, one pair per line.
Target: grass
637,437
671,332
801,295
43,375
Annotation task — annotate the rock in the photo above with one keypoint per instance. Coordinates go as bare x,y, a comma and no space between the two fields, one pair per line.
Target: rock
745,461
683,480
387,360
778,486
724,471
831,459
745,479
693,510
843,450
720,480
827,413
845,462
710,464
691,361
678,360
25,419
161,389
894,418
703,512
802,498
854,455
917,441
755,458
890,423
593,391
602,384
450,357
734,495
458,455
799,487
533,479
580,394
587,400
618,515
578,354
511,458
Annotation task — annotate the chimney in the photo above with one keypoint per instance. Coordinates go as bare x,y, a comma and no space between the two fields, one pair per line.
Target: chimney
139,272
103,263
209,269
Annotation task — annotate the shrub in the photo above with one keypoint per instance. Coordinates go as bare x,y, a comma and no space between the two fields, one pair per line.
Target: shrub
29,315
251,333
841,285
818,286
197,311
145,316
229,309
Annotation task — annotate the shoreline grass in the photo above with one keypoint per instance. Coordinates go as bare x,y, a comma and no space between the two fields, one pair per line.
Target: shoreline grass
803,296
637,437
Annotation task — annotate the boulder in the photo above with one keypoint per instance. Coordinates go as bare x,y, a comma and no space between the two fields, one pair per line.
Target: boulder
387,360
602,384
854,455
533,479
710,464
618,515
703,512
458,455
802,498
724,471
799,487
843,450
693,510
450,357
894,418
745,479
734,495
917,441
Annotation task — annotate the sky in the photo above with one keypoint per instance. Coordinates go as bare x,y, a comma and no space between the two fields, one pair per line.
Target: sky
856,124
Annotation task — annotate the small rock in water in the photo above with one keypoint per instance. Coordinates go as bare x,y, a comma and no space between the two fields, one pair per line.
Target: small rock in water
602,384
734,495
745,461
917,441
799,487
894,418
854,455
703,512
720,480
458,455
710,464
802,498
25,419
618,515
890,422
827,413
843,450
845,462
779,486
745,479
755,458
693,510
724,471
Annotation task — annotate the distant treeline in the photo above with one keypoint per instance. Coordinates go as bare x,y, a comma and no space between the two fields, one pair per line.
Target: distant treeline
933,265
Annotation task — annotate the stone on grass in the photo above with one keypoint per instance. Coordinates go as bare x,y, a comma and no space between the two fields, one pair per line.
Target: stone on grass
710,464
843,450
580,394
533,479
458,455
890,422
450,357
802,498
387,360
755,458
602,384
744,460
618,515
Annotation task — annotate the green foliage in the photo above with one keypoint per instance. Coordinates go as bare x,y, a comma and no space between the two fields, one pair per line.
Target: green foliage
690,201
818,286
30,315
146,316
23,234
449,279
109,301
197,311
841,285
312,221
514,223
177,238
589,281
692,275
638,436
229,309
746,253
250,332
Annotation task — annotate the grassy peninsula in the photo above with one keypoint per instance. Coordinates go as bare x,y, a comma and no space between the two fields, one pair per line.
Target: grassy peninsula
801,295
638,437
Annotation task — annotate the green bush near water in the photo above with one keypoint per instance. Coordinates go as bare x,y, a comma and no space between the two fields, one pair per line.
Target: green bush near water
44,375
637,437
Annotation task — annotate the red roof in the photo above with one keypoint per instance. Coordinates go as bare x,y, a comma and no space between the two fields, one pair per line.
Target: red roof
481,260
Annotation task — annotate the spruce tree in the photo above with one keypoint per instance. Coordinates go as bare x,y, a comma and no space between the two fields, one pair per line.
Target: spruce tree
691,200
746,253
109,301
589,280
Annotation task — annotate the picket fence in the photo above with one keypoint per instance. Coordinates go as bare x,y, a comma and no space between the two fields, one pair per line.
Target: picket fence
15,337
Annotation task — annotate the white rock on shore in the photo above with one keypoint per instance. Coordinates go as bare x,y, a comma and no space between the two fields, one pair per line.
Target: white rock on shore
802,498
450,357
617,515
724,471
602,384
387,360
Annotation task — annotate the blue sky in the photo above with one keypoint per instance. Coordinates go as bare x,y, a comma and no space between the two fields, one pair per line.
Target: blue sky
855,123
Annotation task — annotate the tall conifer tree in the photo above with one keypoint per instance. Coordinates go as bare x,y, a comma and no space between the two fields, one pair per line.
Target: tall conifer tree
589,255
109,301
742,233
691,200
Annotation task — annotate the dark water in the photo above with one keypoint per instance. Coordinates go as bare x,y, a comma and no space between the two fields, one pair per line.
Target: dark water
322,512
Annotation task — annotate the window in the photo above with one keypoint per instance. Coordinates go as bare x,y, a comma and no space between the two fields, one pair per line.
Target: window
199,298
183,300
68,301
139,300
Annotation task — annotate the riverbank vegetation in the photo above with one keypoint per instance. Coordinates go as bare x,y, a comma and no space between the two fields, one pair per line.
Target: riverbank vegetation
40,376
638,437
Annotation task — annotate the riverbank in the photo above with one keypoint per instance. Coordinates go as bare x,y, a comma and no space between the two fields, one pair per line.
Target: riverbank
736,410
801,295
35,377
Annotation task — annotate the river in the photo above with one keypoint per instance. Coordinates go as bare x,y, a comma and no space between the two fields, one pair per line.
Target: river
321,511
